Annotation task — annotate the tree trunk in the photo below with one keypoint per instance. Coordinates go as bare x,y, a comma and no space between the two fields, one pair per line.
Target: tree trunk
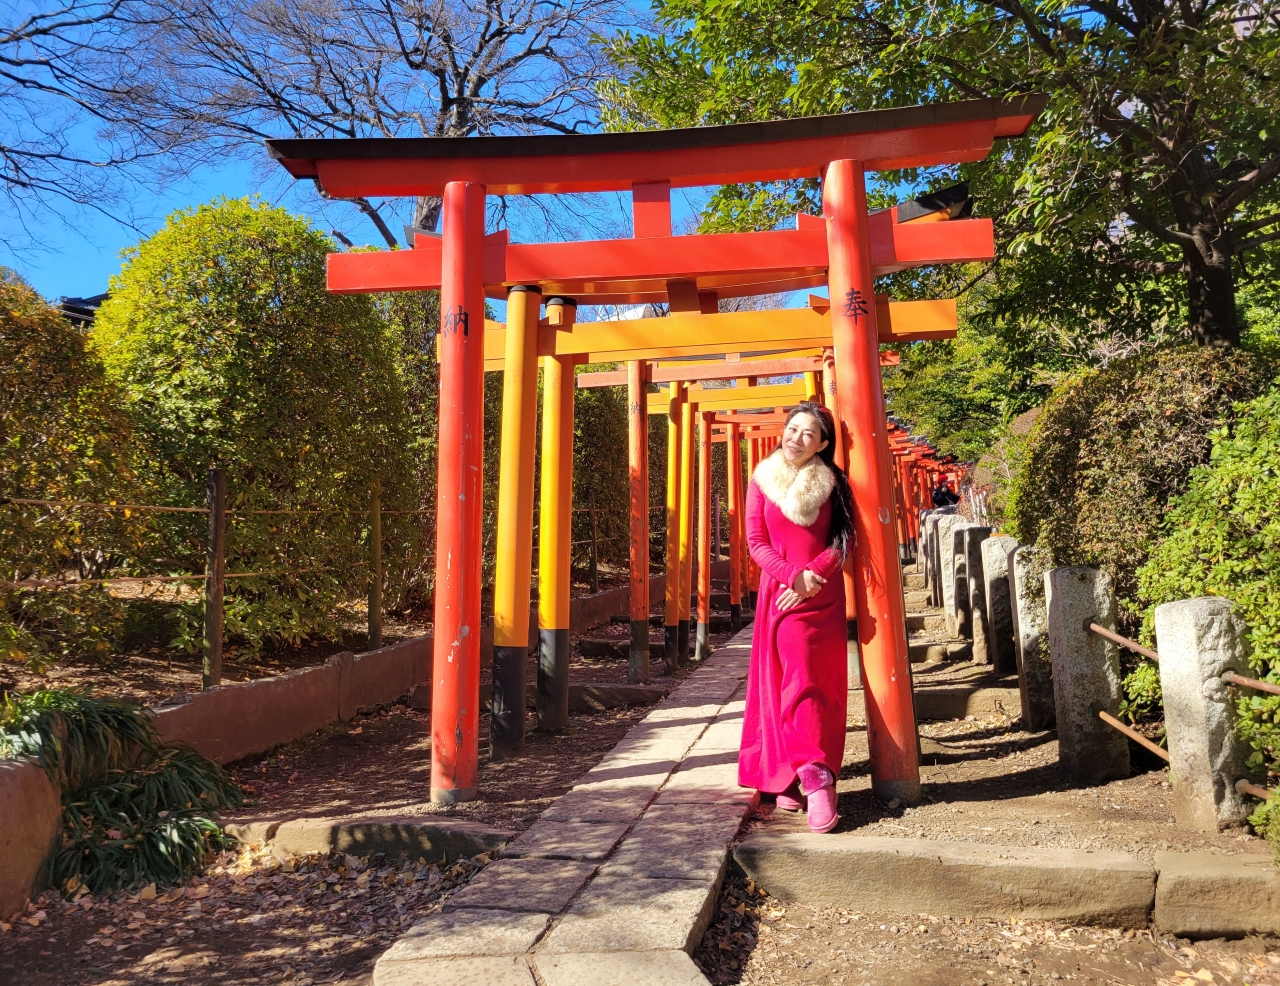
426,213
1211,296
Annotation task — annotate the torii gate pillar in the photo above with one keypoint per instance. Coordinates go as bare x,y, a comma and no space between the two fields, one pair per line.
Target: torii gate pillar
891,726
455,680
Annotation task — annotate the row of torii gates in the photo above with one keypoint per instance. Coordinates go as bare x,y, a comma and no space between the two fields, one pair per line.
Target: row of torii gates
836,341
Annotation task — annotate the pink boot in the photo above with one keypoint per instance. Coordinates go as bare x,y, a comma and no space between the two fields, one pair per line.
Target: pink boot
791,799
820,788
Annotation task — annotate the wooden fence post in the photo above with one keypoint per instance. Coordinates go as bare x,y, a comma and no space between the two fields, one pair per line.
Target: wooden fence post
215,570
375,566
595,569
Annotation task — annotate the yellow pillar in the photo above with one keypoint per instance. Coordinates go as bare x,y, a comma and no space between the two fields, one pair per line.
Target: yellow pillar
671,608
686,524
515,523
555,528
811,390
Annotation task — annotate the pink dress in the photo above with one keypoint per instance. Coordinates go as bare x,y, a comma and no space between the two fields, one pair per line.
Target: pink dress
797,686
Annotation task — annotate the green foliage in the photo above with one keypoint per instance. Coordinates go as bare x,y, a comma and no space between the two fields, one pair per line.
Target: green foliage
600,465
1112,446
1223,539
232,353
63,436
1133,169
134,812
1142,696
1266,822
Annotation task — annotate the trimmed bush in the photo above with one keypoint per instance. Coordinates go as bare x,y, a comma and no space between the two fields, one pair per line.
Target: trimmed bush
1223,539
232,353
63,436
1111,448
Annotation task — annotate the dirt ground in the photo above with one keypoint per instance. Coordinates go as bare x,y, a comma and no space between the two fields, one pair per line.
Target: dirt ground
988,780
380,764
314,920
251,918
756,939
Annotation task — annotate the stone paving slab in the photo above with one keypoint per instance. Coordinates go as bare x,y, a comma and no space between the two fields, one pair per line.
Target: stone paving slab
684,842
1204,895
626,914
587,841
467,933
672,968
542,886
633,920
507,970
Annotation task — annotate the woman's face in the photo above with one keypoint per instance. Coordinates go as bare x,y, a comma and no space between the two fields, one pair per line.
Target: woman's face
802,439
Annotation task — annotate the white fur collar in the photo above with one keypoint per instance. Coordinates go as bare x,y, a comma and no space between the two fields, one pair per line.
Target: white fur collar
798,493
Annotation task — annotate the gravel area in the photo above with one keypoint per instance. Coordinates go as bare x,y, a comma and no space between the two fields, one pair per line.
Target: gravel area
757,939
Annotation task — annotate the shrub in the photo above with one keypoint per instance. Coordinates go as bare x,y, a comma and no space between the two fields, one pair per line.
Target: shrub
133,811
63,436
1223,539
232,353
1112,446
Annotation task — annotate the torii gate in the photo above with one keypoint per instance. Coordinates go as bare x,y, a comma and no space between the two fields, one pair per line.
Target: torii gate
844,249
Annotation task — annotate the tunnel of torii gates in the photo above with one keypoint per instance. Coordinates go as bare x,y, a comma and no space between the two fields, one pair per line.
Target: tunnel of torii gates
844,249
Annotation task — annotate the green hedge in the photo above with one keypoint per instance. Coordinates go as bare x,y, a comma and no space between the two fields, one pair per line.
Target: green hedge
1111,448
232,353
1223,539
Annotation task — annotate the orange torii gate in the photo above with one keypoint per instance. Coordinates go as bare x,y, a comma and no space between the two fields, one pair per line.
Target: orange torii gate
844,249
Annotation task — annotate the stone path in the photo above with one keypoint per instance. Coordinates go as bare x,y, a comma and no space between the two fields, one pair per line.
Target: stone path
616,882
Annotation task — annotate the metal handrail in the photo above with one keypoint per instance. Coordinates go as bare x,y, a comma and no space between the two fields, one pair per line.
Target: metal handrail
1231,678
1134,735
1125,642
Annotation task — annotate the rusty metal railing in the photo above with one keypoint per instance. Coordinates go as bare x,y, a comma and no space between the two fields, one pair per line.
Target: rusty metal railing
1230,678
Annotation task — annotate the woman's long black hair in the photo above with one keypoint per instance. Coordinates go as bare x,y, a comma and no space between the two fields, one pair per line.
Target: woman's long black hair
841,533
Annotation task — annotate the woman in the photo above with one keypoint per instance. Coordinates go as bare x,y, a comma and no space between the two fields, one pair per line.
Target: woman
799,524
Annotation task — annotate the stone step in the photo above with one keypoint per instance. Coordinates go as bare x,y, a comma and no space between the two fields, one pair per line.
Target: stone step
906,876
939,703
910,580
917,599
932,621
930,652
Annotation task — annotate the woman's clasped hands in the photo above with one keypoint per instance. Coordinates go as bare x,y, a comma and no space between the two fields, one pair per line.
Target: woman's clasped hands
806,586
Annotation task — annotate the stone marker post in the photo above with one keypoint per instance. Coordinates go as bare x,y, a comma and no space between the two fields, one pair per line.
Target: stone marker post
946,583
973,540
960,623
1086,674
1200,641
1031,636
995,587
935,585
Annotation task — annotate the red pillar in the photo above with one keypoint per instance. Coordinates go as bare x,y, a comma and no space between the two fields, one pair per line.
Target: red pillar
638,472
702,641
734,470
455,689
891,726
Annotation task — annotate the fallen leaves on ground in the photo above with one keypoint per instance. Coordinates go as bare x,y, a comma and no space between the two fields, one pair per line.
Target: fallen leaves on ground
305,912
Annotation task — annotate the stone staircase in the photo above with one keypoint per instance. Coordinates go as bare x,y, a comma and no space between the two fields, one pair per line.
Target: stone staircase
947,683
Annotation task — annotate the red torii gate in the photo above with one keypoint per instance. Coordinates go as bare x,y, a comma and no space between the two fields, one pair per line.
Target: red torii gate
844,249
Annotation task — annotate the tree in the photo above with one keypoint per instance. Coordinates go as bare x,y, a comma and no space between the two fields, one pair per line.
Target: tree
1157,156
219,76
61,138
232,353
64,437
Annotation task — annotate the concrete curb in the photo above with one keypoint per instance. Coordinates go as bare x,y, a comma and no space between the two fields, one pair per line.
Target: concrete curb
1192,895
414,835
30,812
